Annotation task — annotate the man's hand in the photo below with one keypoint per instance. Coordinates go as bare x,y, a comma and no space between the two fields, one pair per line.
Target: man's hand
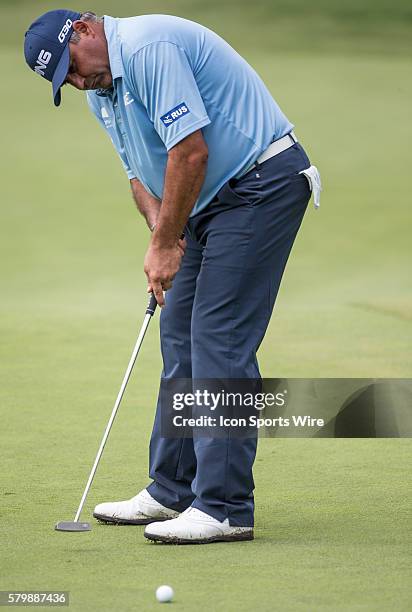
161,265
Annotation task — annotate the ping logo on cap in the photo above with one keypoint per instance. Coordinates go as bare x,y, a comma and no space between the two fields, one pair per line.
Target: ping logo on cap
42,61
175,114
64,31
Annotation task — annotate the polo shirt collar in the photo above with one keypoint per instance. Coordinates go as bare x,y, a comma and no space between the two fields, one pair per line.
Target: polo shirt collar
113,46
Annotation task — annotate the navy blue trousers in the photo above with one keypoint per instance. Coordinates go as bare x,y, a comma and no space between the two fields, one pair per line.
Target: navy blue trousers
215,318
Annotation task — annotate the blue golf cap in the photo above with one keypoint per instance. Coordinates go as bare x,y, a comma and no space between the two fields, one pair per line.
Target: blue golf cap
46,47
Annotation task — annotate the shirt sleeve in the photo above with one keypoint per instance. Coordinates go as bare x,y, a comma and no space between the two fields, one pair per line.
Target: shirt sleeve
98,112
163,79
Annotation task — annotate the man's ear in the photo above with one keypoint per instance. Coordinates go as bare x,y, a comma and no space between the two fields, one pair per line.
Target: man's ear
81,27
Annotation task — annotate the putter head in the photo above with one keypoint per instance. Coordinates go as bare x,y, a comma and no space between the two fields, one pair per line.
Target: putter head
72,526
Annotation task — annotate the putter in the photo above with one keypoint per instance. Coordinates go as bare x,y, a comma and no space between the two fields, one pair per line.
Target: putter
76,525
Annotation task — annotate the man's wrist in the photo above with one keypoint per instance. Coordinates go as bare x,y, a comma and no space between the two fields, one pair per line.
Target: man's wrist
163,239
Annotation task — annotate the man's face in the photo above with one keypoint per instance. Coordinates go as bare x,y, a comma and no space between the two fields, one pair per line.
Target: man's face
89,59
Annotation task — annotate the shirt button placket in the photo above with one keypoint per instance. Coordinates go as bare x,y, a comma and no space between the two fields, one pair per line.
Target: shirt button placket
117,115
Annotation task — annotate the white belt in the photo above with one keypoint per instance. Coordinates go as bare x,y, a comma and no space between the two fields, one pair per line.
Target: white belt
277,147
273,149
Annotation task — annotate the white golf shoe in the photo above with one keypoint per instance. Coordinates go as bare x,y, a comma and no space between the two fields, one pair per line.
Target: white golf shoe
196,527
139,510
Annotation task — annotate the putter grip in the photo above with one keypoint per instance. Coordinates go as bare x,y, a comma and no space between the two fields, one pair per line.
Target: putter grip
151,307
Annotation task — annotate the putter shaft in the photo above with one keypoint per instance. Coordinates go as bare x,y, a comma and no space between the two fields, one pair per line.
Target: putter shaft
149,313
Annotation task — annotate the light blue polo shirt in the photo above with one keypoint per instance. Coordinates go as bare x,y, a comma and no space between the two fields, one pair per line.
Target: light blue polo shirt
172,77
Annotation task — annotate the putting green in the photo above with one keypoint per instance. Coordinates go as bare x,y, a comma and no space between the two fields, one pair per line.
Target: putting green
332,515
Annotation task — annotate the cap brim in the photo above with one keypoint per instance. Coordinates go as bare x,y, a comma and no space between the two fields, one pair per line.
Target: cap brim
60,75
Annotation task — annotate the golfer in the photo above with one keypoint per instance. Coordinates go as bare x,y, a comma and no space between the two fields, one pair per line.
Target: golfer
209,154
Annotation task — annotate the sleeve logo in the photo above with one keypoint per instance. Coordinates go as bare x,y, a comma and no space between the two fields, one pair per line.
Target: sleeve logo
175,114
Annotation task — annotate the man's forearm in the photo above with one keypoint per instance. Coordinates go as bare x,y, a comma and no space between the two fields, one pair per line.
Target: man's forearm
147,205
185,174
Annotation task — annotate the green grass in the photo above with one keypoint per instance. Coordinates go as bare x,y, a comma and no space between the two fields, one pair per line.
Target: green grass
332,530
327,537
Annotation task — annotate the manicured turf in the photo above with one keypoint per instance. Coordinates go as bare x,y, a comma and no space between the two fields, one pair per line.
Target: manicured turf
332,515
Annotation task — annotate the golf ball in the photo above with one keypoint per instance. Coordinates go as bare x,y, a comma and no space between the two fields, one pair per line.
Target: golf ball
164,593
